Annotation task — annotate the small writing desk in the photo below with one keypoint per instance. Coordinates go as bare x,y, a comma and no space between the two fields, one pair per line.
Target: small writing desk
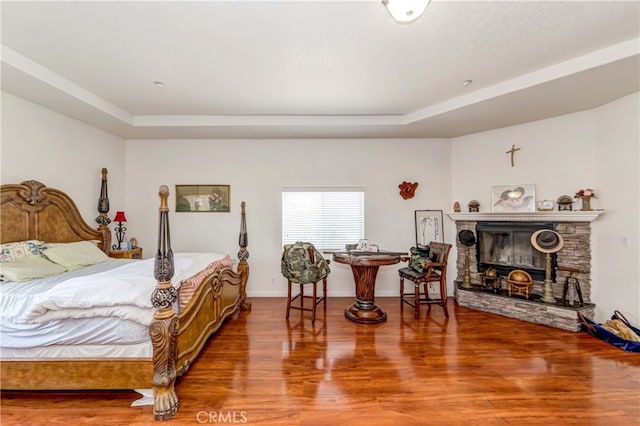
364,266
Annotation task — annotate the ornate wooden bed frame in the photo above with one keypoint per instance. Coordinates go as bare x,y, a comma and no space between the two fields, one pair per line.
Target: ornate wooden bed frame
30,210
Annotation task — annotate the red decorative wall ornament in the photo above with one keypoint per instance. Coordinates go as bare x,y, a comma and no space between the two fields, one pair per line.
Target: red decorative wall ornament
407,189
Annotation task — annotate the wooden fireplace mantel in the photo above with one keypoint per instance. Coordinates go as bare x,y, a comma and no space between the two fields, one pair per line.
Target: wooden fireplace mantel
564,216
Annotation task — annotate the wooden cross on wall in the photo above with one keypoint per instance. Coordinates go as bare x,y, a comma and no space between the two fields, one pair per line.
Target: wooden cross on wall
513,151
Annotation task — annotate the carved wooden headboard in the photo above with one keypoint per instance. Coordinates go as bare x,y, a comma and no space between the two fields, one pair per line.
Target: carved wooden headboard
31,211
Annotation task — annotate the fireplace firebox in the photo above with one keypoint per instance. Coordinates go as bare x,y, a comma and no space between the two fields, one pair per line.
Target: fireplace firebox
506,246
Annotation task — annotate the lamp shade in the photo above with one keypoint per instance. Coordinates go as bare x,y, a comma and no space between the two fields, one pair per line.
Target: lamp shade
404,11
120,217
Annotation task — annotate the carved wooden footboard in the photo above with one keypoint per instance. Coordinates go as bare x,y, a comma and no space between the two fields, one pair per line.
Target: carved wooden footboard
30,210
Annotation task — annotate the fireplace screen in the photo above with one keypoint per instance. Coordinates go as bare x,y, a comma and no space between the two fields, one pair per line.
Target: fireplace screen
507,246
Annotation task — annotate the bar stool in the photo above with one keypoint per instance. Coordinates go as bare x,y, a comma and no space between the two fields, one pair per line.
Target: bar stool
302,264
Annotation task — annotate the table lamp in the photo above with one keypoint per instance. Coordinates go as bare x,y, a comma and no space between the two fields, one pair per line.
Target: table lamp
119,229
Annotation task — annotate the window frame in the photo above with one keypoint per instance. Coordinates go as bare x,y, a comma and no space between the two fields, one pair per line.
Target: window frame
329,241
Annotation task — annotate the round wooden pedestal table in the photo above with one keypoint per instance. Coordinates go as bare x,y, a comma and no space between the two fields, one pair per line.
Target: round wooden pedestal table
365,268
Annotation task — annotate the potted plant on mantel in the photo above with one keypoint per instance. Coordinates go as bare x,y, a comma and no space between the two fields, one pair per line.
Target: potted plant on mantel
585,195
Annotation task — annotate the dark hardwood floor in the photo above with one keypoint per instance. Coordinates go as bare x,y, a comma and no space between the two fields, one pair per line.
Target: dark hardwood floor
474,369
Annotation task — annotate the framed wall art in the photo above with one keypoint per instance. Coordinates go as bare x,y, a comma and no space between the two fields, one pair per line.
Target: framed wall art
428,227
513,198
202,198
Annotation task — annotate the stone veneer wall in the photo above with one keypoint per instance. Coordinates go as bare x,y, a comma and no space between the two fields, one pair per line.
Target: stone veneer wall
576,253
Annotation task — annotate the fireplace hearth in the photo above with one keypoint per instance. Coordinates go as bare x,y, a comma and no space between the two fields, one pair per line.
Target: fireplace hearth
531,310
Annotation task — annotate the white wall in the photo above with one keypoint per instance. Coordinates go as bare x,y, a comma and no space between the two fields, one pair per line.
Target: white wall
596,149
61,152
258,169
617,234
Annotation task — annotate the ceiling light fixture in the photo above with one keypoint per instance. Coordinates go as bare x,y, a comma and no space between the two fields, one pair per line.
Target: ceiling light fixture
467,82
158,84
405,11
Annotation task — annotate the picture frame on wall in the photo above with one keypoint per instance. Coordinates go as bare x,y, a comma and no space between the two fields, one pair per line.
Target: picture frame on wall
429,227
513,198
203,198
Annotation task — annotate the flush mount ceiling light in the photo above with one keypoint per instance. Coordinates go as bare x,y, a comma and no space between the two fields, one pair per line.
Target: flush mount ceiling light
405,11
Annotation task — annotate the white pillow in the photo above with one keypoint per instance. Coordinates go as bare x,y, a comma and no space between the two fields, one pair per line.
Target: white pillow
29,267
75,255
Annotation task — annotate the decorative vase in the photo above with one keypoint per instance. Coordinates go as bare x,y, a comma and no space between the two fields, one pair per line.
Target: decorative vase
586,203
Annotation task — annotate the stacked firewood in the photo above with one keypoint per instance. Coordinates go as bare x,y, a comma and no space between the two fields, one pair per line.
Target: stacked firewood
618,327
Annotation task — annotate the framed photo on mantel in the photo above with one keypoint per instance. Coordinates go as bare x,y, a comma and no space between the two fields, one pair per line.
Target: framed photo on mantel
428,227
513,198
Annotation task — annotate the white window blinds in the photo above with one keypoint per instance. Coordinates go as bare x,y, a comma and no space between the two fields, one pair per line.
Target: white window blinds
328,218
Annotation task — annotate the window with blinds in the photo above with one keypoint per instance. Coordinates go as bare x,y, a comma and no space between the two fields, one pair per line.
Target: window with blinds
328,218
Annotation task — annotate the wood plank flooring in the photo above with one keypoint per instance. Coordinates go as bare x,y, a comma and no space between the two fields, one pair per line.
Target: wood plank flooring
475,368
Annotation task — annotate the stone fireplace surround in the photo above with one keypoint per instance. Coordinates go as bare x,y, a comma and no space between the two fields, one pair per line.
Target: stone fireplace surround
575,229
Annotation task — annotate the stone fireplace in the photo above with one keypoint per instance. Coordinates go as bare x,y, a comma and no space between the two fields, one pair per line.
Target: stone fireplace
503,242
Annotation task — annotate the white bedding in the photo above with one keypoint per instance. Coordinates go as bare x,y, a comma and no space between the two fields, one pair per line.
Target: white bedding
103,304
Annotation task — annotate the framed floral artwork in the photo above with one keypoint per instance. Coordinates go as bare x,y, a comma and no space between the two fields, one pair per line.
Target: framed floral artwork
202,198
513,198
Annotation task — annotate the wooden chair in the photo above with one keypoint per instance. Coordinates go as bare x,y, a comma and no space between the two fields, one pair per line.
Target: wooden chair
436,272
317,268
